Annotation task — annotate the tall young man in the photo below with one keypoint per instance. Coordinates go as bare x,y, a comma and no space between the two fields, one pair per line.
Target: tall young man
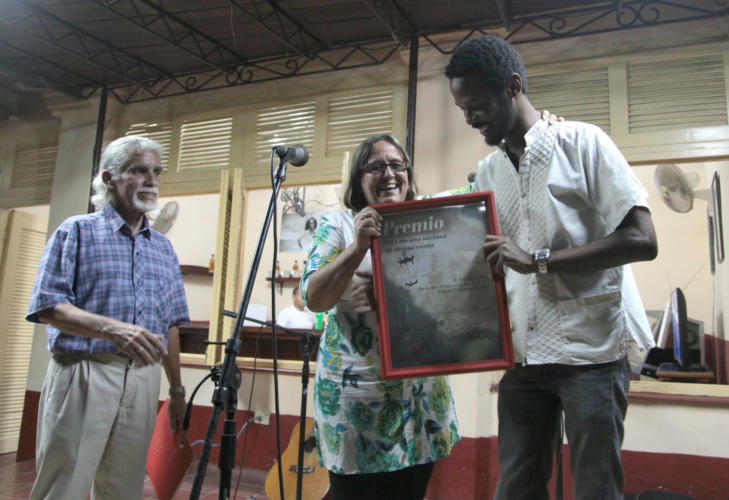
572,215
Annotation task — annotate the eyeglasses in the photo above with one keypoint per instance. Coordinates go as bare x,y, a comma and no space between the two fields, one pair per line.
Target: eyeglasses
379,166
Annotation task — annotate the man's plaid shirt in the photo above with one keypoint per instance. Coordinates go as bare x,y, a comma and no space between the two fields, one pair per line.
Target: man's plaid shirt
94,263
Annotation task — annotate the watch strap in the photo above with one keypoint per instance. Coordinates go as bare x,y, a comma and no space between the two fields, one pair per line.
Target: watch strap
541,258
177,390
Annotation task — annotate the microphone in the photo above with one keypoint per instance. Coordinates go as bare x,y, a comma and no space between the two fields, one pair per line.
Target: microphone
296,155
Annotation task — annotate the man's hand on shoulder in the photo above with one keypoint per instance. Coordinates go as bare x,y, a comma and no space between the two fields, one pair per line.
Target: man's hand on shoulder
550,118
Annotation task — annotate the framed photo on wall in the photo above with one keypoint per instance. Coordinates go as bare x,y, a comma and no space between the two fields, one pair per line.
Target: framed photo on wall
718,225
439,307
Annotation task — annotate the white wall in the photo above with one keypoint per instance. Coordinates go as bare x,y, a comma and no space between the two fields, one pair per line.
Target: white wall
683,252
193,237
42,210
679,429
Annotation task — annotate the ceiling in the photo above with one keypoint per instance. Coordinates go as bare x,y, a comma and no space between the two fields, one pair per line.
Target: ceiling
147,49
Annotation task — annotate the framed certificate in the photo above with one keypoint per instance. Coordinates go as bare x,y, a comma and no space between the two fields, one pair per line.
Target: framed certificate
439,307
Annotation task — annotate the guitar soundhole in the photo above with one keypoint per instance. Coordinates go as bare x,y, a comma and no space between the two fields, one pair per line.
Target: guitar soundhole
309,444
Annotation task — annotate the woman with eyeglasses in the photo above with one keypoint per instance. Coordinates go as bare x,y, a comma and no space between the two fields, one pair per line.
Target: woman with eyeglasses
378,438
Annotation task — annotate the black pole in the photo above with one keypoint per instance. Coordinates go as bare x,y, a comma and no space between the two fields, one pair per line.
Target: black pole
227,454
412,96
100,124
225,394
306,344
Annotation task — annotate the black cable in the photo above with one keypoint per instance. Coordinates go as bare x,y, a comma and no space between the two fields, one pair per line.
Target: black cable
250,399
188,407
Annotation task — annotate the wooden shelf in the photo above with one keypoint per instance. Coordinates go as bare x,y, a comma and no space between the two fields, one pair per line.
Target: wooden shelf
285,280
199,270
281,281
254,339
670,372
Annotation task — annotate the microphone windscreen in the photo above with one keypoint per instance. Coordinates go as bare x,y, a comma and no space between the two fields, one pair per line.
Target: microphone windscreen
298,155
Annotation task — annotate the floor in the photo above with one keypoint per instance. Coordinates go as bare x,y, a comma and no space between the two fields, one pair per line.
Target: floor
16,480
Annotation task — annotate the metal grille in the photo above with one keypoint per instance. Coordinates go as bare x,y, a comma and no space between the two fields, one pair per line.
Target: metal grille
577,95
676,94
34,165
284,125
157,131
352,119
205,144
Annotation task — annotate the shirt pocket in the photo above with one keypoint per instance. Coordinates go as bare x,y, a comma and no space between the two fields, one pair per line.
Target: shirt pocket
160,295
588,323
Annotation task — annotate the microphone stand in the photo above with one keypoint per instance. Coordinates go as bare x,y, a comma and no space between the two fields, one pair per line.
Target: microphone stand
225,395
307,342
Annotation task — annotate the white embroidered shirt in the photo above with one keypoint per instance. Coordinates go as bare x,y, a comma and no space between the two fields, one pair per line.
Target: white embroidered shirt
573,186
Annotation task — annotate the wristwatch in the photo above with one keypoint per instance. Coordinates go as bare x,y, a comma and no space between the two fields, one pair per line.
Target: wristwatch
177,390
540,258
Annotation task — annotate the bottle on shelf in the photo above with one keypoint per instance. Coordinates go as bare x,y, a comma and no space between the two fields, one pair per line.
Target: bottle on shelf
278,269
211,264
295,270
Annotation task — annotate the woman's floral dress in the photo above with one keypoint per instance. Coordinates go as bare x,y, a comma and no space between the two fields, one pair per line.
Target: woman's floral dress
365,424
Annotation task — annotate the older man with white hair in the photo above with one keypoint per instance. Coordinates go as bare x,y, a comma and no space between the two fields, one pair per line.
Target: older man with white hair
109,289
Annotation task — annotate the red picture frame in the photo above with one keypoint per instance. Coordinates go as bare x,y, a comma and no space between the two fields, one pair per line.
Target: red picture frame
440,309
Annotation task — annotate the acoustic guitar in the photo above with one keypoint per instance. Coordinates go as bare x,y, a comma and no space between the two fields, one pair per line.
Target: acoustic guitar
314,479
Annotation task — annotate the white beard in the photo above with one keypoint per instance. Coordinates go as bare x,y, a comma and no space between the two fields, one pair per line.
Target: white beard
142,206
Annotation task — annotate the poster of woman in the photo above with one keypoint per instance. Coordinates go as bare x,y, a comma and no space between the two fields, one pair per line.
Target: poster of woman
303,207
297,231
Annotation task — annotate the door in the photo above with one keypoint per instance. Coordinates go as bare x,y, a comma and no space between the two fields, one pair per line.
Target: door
25,237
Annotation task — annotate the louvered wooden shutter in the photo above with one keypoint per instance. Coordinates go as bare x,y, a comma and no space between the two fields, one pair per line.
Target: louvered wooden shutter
226,279
284,125
26,237
205,144
33,165
577,95
353,118
676,94
157,131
